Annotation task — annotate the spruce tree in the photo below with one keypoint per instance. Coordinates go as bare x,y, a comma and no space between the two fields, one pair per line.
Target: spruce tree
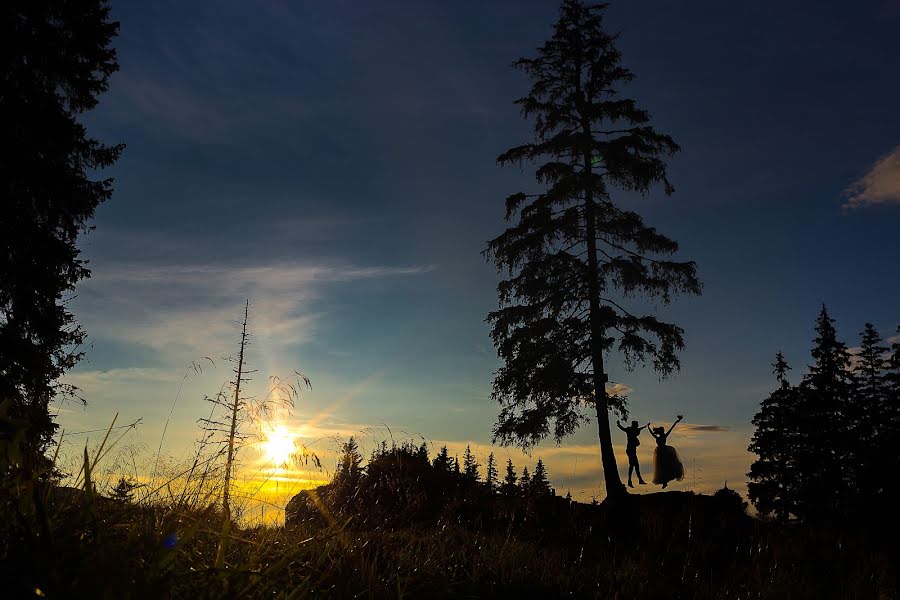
540,485
442,461
868,413
57,60
827,455
773,476
509,480
525,481
350,465
577,264
470,465
491,474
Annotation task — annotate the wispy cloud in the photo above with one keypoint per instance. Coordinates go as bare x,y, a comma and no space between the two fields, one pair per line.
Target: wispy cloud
190,310
880,184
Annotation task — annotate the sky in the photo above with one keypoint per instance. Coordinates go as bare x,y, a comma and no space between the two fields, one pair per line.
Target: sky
334,163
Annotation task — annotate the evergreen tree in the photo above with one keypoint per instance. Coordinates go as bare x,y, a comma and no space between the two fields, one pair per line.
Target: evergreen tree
456,465
124,490
868,413
470,465
423,452
350,465
509,481
491,473
540,485
827,454
57,60
773,475
576,262
525,482
442,461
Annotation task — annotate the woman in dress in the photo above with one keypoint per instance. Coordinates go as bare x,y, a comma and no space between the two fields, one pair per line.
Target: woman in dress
666,465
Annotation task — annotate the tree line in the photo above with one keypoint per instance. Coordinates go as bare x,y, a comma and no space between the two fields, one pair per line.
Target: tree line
827,446
532,484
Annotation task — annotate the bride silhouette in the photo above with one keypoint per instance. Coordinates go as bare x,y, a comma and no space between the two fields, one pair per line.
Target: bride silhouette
666,465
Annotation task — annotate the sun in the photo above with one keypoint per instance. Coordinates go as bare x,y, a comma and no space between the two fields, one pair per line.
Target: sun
279,446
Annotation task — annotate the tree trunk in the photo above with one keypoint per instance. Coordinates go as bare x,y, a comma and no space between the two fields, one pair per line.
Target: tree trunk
614,486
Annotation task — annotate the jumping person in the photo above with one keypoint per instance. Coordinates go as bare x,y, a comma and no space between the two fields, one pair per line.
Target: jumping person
666,465
632,433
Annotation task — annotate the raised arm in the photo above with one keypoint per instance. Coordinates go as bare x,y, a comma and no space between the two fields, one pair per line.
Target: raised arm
650,430
673,425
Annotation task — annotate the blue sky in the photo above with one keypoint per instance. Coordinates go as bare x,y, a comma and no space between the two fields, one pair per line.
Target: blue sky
334,162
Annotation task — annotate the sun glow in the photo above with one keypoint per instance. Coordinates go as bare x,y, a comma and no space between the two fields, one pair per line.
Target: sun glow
279,446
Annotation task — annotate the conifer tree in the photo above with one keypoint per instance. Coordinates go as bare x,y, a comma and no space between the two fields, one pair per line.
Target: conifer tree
491,472
350,466
423,452
577,263
540,485
773,475
509,480
456,465
442,461
57,60
525,481
826,455
869,419
470,465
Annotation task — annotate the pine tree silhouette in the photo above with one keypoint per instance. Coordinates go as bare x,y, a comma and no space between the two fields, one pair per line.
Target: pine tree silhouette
509,487
773,477
470,465
491,474
576,262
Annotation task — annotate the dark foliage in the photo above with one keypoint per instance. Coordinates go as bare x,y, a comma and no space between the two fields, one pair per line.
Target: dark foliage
577,263
826,447
56,60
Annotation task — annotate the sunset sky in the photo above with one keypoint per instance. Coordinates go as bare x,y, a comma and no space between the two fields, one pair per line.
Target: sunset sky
334,162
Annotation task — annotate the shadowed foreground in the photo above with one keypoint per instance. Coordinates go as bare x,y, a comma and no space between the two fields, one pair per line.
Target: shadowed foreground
402,528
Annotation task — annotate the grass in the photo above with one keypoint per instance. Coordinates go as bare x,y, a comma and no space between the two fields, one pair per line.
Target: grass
445,541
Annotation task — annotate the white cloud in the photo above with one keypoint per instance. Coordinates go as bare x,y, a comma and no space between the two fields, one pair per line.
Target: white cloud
190,310
880,184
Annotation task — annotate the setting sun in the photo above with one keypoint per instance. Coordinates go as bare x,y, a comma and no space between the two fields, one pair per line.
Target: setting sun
278,447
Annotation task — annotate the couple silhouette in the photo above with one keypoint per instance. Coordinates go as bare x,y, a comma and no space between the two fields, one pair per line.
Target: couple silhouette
666,464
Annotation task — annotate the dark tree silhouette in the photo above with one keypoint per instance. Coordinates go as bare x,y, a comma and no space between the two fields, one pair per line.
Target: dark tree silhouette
540,485
525,481
350,465
442,461
490,476
470,465
509,480
57,60
826,454
773,477
575,261
868,411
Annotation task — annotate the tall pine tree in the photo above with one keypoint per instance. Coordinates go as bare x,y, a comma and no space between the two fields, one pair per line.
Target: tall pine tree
827,455
577,262
490,476
57,60
773,476
509,480
470,465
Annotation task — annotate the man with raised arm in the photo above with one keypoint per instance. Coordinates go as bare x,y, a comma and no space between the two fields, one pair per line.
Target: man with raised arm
632,432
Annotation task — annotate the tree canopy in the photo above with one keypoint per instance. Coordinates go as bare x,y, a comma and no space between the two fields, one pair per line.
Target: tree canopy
57,60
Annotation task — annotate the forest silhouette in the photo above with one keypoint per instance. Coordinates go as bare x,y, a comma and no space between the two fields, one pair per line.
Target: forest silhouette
584,281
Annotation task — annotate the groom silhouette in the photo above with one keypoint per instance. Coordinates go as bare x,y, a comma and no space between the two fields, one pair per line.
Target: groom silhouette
632,432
